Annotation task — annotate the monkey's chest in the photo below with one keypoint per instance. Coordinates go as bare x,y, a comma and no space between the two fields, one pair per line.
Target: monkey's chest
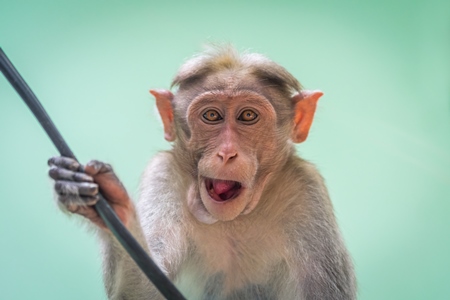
222,265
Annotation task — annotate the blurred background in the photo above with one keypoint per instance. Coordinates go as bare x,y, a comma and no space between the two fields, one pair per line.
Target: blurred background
381,137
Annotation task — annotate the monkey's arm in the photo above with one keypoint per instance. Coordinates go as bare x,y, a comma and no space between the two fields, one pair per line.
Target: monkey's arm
159,210
77,187
326,271
122,277
162,212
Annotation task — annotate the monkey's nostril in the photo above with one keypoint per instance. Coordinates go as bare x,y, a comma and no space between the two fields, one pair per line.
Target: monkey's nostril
226,156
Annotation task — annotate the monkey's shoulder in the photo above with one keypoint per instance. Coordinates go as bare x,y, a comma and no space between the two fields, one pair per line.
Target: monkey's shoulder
162,165
161,184
162,174
303,169
298,190
300,178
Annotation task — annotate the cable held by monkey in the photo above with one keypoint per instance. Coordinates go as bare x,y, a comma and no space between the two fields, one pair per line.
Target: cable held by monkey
146,264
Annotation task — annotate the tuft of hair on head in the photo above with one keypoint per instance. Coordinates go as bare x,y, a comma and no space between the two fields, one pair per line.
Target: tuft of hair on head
216,58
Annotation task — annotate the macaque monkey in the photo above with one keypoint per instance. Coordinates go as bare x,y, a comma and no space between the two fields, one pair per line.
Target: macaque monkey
231,211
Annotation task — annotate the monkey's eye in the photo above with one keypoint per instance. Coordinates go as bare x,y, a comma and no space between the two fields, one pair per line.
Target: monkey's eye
248,116
212,116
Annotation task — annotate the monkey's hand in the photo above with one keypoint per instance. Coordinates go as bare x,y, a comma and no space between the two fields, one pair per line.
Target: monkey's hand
78,186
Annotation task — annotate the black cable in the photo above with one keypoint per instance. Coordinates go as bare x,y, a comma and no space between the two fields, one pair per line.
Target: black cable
150,269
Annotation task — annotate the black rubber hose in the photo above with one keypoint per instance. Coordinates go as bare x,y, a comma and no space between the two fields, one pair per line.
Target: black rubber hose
147,265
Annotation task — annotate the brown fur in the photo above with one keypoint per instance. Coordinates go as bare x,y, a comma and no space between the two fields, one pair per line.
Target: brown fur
278,238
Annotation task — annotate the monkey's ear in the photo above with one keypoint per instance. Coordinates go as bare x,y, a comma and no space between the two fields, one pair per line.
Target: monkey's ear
164,104
305,107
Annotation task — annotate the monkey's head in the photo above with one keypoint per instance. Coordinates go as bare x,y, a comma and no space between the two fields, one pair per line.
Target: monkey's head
233,120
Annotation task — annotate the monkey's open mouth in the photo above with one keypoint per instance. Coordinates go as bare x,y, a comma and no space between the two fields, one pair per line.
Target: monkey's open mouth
222,190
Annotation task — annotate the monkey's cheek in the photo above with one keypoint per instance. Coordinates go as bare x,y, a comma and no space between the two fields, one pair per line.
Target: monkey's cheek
257,192
196,207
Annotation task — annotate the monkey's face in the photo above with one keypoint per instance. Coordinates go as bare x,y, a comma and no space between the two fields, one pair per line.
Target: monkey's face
235,145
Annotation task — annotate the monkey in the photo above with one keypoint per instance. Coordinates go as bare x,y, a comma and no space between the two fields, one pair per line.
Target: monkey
230,211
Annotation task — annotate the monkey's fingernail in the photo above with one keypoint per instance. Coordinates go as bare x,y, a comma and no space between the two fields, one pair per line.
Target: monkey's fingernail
94,165
50,161
82,177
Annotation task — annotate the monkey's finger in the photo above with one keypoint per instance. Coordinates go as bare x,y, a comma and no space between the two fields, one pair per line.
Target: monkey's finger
64,174
65,162
109,183
95,167
70,202
63,187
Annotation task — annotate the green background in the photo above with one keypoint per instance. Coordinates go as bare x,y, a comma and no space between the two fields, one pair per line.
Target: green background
381,137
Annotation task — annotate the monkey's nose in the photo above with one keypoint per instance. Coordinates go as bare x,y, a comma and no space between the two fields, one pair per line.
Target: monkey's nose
226,156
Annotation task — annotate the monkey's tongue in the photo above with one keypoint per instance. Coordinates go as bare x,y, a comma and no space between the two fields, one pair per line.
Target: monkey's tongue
222,186
222,190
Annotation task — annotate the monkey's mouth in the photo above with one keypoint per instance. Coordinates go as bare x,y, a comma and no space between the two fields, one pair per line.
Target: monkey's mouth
222,190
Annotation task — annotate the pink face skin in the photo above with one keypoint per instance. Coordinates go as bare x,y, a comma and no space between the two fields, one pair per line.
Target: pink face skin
233,140
236,135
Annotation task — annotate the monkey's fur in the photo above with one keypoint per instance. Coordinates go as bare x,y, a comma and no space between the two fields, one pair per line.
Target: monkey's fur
231,212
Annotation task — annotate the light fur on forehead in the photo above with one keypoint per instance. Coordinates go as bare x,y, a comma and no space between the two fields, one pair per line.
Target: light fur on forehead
224,57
